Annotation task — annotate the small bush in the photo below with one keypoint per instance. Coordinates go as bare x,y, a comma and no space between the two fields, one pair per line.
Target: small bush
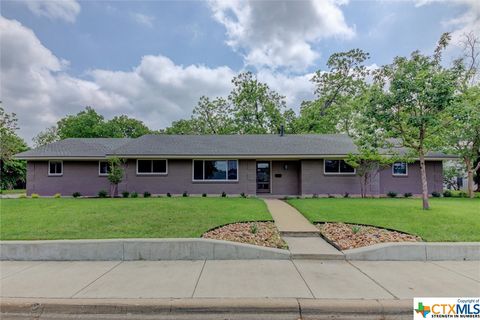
447,193
125,194
355,229
22,196
346,195
147,194
76,194
185,194
57,195
134,195
436,194
102,194
314,196
407,194
462,194
169,195
224,194
204,195
35,195
331,195
392,194
243,195
253,228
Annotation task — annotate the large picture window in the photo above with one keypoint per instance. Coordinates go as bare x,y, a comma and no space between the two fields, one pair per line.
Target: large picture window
215,170
337,167
55,168
155,166
400,169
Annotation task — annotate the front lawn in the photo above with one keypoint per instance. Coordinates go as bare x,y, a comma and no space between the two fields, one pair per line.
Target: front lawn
448,219
68,218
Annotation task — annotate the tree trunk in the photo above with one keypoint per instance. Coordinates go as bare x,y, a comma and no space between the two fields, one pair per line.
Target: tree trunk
423,173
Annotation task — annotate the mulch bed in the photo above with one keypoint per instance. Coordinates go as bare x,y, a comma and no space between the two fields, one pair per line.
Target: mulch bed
350,236
257,233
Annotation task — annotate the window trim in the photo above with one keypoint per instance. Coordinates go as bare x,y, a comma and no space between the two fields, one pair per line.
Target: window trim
338,173
216,180
99,173
55,174
152,173
400,174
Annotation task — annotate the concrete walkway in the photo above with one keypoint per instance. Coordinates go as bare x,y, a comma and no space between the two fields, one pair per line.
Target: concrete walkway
308,279
302,237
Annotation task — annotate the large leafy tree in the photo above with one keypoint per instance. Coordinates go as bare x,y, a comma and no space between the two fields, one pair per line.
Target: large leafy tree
412,95
13,172
123,127
85,124
337,91
45,137
463,136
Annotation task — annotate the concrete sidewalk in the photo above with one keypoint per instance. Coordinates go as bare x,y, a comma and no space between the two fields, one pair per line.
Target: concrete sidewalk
300,279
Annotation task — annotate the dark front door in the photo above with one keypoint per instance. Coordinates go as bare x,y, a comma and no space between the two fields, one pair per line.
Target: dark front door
263,177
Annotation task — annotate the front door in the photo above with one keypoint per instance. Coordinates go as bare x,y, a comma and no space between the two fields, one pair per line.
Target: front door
263,177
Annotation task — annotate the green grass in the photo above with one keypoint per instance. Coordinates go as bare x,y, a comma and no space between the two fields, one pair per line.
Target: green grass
64,218
13,191
447,220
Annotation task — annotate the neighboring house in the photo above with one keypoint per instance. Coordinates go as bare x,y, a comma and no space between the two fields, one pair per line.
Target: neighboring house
212,164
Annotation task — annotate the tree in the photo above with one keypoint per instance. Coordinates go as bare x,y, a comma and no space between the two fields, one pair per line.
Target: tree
451,173
85,124
13,172
256,108
181,126
123,127
45,137
115,174
463,136
411,96
337,90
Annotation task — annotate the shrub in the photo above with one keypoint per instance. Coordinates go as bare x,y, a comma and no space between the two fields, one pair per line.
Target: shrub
314,196
243,195
224,194
35,195
185,194
346,195
147,194
355,229
461,194
391,194
447,193
22,196
204,195
125,194
436,194
253,228
57,195
102,194
134,195
331,195
76,194
407,194
169,195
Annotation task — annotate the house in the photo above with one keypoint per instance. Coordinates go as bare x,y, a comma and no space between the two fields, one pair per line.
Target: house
251,164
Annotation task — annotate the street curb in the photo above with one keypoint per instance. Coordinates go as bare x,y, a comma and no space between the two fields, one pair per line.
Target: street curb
305,308
417,251
136,249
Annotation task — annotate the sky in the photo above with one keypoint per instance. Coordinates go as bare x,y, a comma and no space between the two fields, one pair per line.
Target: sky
152,60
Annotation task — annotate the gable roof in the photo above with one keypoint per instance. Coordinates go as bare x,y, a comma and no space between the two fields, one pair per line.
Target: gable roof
198,146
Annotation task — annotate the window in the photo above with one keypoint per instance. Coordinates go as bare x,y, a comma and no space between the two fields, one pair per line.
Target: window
55,168
400,169
151,166
103,168
337,167
215,170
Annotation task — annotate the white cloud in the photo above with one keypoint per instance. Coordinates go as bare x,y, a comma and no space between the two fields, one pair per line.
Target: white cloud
280,34
36,86
468,21
143,19
55,9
